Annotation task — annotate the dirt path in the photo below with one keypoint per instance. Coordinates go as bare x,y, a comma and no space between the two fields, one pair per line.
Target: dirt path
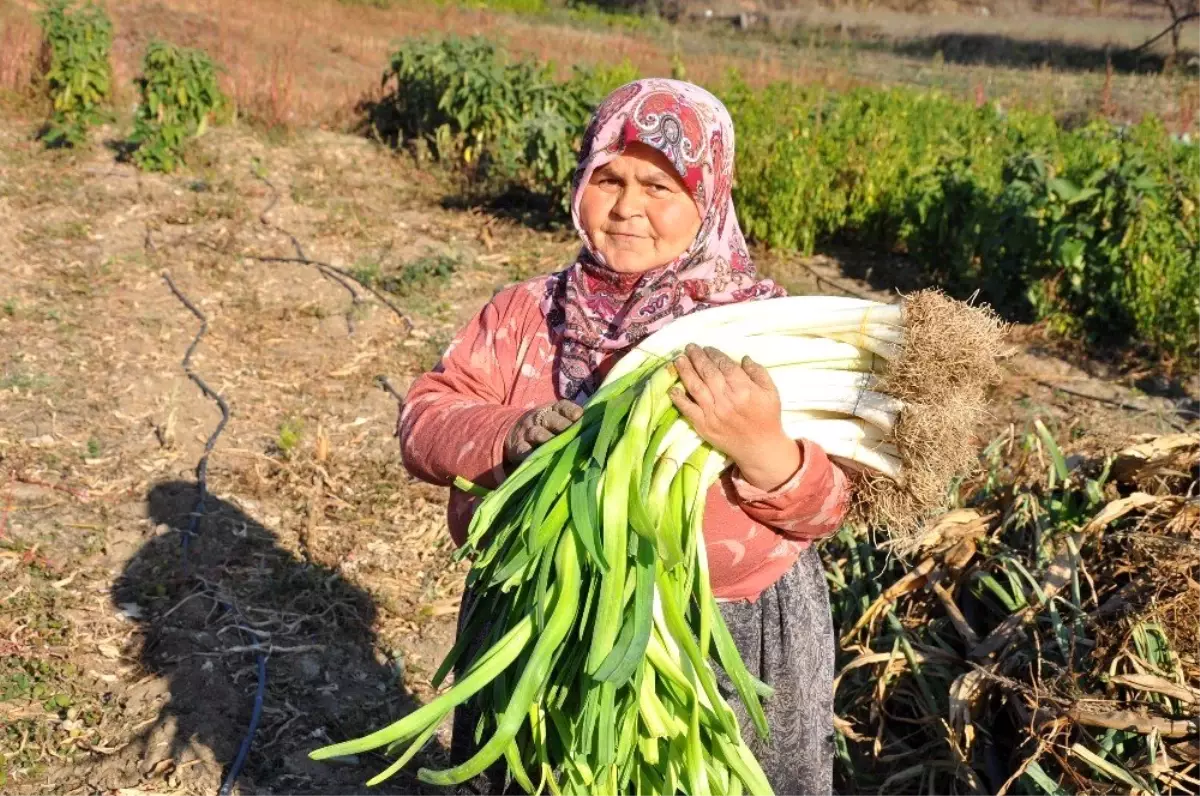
123,666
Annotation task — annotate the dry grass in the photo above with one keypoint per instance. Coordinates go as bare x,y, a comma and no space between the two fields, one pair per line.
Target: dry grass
1118,28
328,552
19,44
1051,625
303,63
309,63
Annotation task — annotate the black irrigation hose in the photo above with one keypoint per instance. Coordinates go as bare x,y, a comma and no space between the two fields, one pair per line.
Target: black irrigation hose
355,299
255,715
198,512
386,386
334,274
202,466
330,272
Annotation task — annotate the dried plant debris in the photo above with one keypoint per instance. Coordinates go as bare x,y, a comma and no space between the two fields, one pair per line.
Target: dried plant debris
1041,639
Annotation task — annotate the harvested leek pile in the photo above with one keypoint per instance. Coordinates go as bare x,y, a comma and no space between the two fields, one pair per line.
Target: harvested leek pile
589,574
1041,638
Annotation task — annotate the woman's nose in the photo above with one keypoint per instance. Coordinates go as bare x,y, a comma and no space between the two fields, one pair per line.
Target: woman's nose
629,204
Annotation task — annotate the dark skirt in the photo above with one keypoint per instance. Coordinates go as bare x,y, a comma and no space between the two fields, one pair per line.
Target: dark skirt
786,640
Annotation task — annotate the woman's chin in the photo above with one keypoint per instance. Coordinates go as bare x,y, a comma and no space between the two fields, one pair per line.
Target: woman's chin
625,263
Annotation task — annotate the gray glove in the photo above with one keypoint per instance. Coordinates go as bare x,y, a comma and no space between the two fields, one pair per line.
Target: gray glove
539,426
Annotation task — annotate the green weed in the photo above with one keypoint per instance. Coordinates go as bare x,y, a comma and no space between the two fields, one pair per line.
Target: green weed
179,98
421,274
22,380
78,40
514,6
367,271
291,432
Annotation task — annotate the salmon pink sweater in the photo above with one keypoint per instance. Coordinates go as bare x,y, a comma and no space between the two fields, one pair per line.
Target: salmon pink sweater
456,418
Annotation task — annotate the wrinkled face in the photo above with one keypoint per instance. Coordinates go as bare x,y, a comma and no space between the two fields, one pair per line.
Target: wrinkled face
637,212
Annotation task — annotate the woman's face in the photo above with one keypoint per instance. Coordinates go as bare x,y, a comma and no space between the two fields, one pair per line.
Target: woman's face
637,212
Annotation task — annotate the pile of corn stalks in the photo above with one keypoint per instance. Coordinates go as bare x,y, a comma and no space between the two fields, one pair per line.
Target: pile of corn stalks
1040,638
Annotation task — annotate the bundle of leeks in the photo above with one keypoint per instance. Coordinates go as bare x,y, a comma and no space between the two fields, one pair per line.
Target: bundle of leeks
593,602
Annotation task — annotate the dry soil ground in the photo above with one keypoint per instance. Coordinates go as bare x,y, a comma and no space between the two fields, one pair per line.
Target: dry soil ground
126,665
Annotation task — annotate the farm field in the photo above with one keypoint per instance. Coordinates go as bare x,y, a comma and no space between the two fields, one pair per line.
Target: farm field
310,67
331,271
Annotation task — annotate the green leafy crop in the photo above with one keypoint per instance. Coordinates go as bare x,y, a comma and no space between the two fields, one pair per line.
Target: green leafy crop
179,97
510,125
77,41
1092,231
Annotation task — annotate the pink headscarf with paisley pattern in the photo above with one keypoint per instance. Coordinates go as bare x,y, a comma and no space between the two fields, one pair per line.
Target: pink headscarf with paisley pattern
595,311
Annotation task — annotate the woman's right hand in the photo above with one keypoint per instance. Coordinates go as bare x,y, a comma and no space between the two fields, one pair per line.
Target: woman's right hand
539,426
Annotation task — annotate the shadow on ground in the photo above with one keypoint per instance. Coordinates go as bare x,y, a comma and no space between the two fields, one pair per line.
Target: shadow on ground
531,210
326,679
987,49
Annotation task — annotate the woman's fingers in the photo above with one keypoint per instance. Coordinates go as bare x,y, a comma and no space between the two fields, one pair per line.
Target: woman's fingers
539,426
555,422
690,410
723,363
692,380
736,379
705,367
758,374
568,409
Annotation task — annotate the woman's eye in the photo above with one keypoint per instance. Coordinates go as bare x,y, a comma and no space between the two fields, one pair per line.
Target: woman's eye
657,189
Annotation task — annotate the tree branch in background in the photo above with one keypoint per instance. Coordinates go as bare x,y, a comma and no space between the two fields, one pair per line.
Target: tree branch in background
1181,11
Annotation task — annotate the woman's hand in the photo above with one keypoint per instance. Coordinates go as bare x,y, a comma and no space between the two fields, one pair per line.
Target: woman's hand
537,427
736,409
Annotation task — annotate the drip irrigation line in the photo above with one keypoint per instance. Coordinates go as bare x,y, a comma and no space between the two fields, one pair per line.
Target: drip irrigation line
331,272
202,465
1117,402
386,386
834,284
336,278
198,513
255,716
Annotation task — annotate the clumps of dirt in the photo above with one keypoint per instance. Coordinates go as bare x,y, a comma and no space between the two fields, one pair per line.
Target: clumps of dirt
949,364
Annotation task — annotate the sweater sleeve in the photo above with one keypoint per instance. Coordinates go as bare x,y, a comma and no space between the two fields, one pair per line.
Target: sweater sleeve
454,421
810,505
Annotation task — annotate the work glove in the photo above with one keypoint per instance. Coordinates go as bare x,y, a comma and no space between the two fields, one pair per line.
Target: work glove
539,426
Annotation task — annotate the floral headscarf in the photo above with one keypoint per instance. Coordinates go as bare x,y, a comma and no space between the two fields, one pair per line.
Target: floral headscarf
594,310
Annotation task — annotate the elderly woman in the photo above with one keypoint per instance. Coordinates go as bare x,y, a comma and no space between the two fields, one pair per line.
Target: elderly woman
653,209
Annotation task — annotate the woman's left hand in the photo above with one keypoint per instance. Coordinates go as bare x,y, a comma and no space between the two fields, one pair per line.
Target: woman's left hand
736,409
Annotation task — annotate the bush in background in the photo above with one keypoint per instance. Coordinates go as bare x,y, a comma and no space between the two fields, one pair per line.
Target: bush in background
1093,231
179,96
77,41
512,126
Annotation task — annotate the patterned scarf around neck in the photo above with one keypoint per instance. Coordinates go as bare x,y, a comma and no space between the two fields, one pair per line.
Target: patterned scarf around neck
595,311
